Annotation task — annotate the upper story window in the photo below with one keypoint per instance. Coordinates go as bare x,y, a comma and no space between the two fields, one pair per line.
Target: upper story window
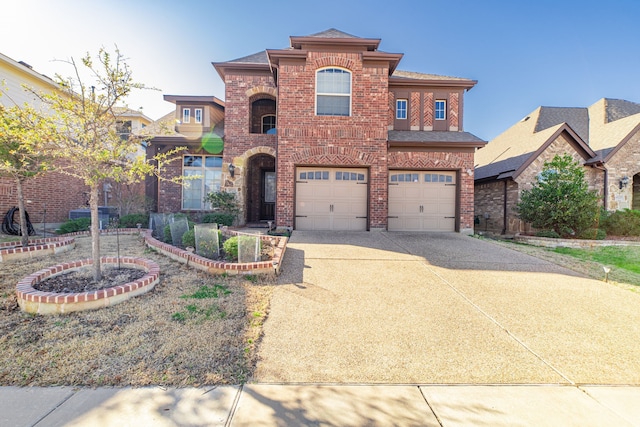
401,109
197,115
441,109
186,115
333,92
268,123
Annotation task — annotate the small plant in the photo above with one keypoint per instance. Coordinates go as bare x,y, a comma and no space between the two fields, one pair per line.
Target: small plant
592,234
622,223
251,278
219,218
189,239
230,246
74,225
132,220
548,233
224,202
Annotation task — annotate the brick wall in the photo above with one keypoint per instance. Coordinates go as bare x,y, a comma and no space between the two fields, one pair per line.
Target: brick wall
306,139
56,193
625,162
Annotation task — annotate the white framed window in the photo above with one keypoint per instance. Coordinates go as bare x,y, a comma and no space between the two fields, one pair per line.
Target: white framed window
197,115
401,109
268,123
333,92
441,109
186,115
203,175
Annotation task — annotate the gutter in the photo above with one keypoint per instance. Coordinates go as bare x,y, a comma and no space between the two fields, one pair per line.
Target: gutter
605,195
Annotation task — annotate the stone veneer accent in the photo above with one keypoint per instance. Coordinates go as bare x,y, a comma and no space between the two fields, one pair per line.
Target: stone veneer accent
38,302
11,251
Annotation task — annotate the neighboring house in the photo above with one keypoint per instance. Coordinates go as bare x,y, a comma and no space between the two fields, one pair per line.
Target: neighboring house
48,197
327,135
604,137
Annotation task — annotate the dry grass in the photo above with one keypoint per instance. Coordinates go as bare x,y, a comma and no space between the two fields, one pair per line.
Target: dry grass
159,338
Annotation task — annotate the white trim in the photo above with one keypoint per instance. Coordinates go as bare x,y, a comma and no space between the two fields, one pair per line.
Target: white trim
435,109
186,115
350,94
406,108
195,115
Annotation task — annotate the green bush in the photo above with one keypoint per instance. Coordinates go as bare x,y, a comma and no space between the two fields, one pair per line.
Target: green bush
230,246
132,221
622,223
219,218
548,233
189,239
73,225
592,234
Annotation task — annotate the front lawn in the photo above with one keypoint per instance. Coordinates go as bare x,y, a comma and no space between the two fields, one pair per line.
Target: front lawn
620,257
191,329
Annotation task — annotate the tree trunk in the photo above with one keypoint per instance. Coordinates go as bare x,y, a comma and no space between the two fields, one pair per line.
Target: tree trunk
95,232
24,229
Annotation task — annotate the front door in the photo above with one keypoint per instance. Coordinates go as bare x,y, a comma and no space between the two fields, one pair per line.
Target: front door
268,196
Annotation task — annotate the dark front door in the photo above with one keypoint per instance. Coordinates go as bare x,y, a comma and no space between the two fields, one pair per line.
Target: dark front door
268,196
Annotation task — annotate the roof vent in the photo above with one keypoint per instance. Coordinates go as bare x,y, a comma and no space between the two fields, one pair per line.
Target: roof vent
525,119
25,64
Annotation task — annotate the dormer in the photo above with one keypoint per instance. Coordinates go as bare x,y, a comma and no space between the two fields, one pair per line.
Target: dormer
196,114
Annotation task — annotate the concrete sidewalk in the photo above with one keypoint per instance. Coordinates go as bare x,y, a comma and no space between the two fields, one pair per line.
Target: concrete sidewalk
315,405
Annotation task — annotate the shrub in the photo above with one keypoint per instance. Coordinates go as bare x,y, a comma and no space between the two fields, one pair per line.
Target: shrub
592,234
548,233
230,246
73,225
560,200
219,218
622,223
131,220
189,239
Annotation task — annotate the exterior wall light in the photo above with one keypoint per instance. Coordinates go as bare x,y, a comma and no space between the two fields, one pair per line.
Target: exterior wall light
232,170
624,181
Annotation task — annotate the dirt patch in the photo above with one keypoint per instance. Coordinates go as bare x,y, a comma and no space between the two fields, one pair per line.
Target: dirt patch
165,337
82,280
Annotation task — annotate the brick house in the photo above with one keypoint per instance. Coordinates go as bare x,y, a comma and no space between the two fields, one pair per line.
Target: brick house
49,197
604,137
327,134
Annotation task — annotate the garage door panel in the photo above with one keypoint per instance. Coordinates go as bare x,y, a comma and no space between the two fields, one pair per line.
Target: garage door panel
422,205
332,200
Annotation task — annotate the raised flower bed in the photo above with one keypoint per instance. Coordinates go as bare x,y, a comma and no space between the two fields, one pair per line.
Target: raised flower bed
11,251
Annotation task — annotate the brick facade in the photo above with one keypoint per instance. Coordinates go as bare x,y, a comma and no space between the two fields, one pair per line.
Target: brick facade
304,138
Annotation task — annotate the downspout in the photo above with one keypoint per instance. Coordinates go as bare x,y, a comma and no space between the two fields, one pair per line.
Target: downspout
504,213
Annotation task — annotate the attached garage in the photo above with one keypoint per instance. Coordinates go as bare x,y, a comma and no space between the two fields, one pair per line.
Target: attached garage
422,201
331,198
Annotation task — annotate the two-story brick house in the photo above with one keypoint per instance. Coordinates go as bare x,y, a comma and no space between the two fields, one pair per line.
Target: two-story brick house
328,135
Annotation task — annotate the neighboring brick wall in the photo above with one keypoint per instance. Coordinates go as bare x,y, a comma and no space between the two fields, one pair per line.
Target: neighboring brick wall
489,199
360,139
56,192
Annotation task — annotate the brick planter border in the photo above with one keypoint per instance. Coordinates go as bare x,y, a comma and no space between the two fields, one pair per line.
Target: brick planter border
11,251
38,302
219,267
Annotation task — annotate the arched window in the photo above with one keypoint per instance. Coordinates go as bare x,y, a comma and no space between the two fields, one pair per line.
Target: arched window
333,92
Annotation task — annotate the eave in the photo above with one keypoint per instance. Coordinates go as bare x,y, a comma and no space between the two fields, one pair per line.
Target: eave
435,144
222,67
297,42
452,83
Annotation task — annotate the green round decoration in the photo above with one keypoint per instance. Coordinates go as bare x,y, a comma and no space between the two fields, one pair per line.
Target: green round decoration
212,143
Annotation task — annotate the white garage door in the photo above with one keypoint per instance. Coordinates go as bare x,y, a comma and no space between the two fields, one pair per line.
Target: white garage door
422,201
331,199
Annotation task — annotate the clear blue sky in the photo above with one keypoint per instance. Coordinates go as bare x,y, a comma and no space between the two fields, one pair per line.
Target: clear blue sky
523,54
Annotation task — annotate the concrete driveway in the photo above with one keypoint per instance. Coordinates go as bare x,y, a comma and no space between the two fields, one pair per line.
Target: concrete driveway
403,308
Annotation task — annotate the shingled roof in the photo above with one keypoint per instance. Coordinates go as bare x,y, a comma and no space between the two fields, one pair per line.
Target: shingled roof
332,33
577,118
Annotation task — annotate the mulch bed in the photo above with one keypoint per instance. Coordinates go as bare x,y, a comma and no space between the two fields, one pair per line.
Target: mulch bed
82,280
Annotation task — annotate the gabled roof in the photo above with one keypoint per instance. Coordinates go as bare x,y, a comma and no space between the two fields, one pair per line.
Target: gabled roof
577,118
165,129
254,58
333,36
617,109
332,33
511,152
606,136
